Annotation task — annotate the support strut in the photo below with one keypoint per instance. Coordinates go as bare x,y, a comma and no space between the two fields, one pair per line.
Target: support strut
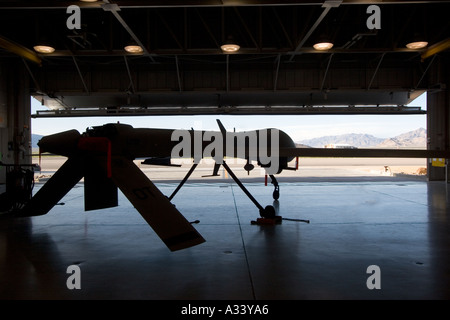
183,181
268,211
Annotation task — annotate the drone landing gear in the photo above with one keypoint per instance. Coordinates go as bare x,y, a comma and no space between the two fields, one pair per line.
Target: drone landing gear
276,191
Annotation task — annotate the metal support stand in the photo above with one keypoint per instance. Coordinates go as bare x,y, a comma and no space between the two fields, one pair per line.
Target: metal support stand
183,181
267,212
239,183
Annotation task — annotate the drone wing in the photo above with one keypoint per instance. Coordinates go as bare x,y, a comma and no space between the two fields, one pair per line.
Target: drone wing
168,223
362,153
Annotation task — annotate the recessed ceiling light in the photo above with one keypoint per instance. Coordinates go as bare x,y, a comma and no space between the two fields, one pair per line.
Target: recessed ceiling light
322,46
134,49
44,49
230,47
417,45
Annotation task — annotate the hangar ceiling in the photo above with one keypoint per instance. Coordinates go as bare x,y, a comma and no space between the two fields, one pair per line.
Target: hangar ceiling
183,70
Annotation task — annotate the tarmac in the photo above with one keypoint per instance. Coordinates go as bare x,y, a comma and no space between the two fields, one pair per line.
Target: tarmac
371,236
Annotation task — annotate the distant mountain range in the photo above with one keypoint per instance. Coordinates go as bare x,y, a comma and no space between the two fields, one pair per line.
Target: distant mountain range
412,139
35,139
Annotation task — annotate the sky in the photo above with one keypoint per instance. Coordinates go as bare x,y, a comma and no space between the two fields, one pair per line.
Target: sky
299,127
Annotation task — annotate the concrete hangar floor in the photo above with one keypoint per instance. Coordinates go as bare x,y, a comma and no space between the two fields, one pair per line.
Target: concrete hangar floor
370,236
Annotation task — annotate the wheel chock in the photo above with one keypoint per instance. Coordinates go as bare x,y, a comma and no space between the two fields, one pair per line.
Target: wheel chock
267,221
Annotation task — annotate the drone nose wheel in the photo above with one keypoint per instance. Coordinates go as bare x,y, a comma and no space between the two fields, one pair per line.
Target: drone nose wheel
276,193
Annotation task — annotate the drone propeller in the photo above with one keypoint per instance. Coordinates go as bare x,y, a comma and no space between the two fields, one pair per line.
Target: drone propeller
67,176
91,157
168,223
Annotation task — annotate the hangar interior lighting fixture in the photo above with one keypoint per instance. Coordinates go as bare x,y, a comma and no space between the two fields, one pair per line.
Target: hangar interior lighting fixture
41,48
417,45
417,42
133,48
230,46
323,45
